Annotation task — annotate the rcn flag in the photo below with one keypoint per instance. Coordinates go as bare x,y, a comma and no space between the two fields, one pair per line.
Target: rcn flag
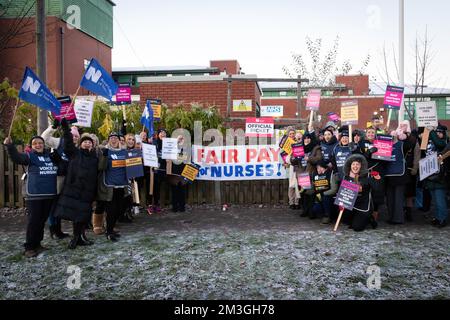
97,80
147,118
35,92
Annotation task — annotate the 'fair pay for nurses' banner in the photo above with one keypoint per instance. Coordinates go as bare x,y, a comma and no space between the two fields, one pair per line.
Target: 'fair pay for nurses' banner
230,163
259,127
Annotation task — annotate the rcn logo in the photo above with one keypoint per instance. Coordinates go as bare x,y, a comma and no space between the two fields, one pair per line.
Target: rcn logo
31,85
114,156
93,74
42,159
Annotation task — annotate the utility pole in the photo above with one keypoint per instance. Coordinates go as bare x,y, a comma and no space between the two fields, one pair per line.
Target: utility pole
401,53
41,58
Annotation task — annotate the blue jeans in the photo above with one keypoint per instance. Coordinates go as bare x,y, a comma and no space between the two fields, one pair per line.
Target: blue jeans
324,207
440,201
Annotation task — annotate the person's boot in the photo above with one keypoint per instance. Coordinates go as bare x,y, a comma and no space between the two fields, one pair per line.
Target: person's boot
58,232
111,237
84,241
408,214
74,242
97,222
52,231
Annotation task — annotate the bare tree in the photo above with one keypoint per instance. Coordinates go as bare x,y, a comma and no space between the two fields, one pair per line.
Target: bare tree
320,70
15,34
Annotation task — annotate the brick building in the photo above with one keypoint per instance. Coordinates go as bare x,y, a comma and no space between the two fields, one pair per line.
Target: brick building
209,86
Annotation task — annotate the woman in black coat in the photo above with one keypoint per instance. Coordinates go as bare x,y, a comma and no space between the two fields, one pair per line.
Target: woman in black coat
80,185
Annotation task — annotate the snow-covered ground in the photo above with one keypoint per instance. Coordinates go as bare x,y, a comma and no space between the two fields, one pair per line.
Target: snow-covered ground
244,253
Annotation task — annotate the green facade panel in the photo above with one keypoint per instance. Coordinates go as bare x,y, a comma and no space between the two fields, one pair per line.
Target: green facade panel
96,16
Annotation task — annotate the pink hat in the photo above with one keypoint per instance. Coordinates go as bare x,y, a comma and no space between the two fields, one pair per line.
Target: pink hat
75,132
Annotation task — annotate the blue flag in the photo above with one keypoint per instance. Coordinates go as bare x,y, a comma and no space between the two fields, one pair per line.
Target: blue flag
34,91
97,80
147,118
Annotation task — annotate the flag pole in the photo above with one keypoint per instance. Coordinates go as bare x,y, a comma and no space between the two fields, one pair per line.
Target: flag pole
73,100
14,115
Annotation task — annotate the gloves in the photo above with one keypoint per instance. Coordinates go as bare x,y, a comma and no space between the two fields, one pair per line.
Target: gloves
64,124
55,124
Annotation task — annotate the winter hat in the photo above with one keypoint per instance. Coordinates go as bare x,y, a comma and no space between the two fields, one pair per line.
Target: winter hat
343,132
332,133
161,130
322,163
86,136
307,135
36,137
113,134
75,132
330,124
441,128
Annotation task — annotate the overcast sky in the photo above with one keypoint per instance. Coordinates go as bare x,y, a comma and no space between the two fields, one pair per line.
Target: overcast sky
261,35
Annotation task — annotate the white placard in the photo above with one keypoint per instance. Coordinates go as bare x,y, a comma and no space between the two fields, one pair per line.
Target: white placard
426,114
83,110
170,148
428,166
138,139
271,111
149,155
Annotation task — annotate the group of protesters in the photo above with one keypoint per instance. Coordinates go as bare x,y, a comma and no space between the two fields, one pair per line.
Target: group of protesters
334,154
76,178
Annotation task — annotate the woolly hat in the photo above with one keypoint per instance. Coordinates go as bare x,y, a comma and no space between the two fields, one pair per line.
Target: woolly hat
36,137
86,136
441,128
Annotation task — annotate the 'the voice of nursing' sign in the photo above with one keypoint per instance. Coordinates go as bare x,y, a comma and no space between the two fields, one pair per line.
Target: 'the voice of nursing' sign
259,127
228,163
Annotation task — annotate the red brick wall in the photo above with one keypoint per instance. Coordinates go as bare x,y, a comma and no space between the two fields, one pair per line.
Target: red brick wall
231,66
206,93
77,47
358,83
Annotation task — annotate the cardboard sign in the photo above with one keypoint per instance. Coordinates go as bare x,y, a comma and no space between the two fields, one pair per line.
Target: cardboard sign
286,144
169,148
190,172
298,150
384,144
83,111
428,166
313,100
242,105
259,127
426,114
123,95
271,111
156,106
349,112
150,155
236,163
393,97
67,111
304,181
347,195
133,162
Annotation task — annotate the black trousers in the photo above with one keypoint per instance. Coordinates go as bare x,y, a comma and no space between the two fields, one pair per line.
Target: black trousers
38,212
178,197
114,209
158,179
100,207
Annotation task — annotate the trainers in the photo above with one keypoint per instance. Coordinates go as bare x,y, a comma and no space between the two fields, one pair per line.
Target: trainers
325,220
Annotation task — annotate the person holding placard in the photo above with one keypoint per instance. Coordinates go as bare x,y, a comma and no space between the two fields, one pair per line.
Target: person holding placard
160,173
328,144
436,184
397,177
294,168
342,151
313,155
113,185
356,171
325,187
80,185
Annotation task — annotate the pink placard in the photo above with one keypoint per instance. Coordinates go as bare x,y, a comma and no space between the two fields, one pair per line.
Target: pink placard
259,127
298,151
393,97
304,181
123,94
67,111
313,100
384,144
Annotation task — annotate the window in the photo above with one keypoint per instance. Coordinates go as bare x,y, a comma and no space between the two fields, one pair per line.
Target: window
86,63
